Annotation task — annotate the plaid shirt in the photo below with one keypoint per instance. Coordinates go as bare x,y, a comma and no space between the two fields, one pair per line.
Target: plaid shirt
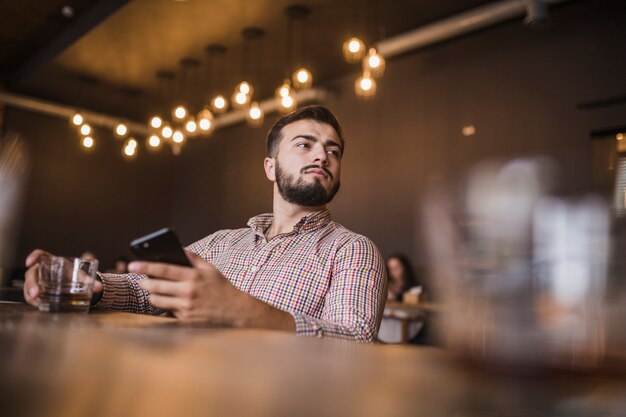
328,278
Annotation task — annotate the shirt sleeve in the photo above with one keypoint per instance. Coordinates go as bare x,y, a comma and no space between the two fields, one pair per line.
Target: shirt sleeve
122,291
355,297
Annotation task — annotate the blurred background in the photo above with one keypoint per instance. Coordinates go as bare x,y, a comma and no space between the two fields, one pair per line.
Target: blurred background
523,79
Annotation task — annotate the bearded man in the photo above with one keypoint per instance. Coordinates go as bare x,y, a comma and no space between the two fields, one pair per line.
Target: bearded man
294,269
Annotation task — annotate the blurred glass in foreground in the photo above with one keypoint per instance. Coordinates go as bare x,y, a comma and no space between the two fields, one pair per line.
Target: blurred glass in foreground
524,272
13,170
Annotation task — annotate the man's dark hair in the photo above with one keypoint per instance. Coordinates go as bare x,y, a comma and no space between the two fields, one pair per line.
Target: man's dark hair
319,114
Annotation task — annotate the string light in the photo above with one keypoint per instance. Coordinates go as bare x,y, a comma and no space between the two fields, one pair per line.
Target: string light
374,63
190,125
255,115
365,86
240,100
87,142
121,130
85,130
245,88
302,78
219,104
130,148
205,121
353,50
156,122
619,136
77,119
154,142
178,136
167,131
180,112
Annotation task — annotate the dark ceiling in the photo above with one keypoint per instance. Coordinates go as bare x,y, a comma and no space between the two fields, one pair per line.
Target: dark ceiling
105,57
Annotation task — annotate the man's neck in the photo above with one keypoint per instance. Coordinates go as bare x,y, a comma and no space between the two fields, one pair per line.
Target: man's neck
286,215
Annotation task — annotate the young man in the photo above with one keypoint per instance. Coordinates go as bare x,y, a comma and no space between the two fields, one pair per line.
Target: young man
294,269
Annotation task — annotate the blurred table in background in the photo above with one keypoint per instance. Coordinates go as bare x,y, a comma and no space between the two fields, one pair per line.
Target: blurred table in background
120,364
403,321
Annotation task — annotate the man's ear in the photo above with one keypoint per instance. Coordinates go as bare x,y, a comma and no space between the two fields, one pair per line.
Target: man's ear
269,165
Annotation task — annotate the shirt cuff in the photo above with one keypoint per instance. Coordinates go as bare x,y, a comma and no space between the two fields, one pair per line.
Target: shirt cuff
310,326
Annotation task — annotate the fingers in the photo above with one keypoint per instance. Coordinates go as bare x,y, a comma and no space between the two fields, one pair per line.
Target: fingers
31,288
170,303
98,287
161,270
34,257
166,287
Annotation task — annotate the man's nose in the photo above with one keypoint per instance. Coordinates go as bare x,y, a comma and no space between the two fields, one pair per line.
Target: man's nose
320,155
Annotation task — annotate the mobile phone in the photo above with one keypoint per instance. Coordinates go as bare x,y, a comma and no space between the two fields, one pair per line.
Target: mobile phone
160,246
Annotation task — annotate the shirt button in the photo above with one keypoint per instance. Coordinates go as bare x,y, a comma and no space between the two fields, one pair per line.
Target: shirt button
254,268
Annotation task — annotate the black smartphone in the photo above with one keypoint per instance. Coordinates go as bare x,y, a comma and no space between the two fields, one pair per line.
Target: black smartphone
160,246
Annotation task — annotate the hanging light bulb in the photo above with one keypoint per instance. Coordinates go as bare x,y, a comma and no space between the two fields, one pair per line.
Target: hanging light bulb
167,131
284,90
179,112
365,86
374,63
191,126
130,148
287,103
302,78
205,121
245,87
85,130
156,122
121,130
87,142
77,119
255,115
353,50
240,100
178,136
219,104
154,142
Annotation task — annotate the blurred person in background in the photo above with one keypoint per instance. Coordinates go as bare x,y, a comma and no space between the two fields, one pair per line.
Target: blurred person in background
400,276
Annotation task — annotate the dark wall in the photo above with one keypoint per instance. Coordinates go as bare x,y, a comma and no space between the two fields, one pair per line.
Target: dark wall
77,201
520,89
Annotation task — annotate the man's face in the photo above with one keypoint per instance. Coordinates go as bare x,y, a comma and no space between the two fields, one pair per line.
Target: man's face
307,165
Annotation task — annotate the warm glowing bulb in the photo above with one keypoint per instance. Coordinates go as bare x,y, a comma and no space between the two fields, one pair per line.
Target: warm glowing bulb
156,122
240,100
353,50
88,142
619,136
219,104
191,126
205,120
365,86
130,148
374,63
77,119
85,129
255,115
284,90
167,132
154,141
302,78
178,136
180,112
245,88
287,101
121,129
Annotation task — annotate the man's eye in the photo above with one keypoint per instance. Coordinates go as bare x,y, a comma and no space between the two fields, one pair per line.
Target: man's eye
302,145
334,152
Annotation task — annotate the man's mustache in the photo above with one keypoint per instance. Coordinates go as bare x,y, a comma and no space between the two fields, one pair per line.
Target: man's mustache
317,167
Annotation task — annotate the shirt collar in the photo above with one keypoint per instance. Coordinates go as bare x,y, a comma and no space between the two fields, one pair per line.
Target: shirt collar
308,223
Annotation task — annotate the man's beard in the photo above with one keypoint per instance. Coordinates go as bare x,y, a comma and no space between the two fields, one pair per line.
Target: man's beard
302,193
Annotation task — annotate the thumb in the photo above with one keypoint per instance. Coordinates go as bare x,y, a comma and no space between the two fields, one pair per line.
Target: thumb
197,261
97,286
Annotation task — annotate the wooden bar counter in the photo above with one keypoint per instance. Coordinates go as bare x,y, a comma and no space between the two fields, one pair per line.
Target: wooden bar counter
119,364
